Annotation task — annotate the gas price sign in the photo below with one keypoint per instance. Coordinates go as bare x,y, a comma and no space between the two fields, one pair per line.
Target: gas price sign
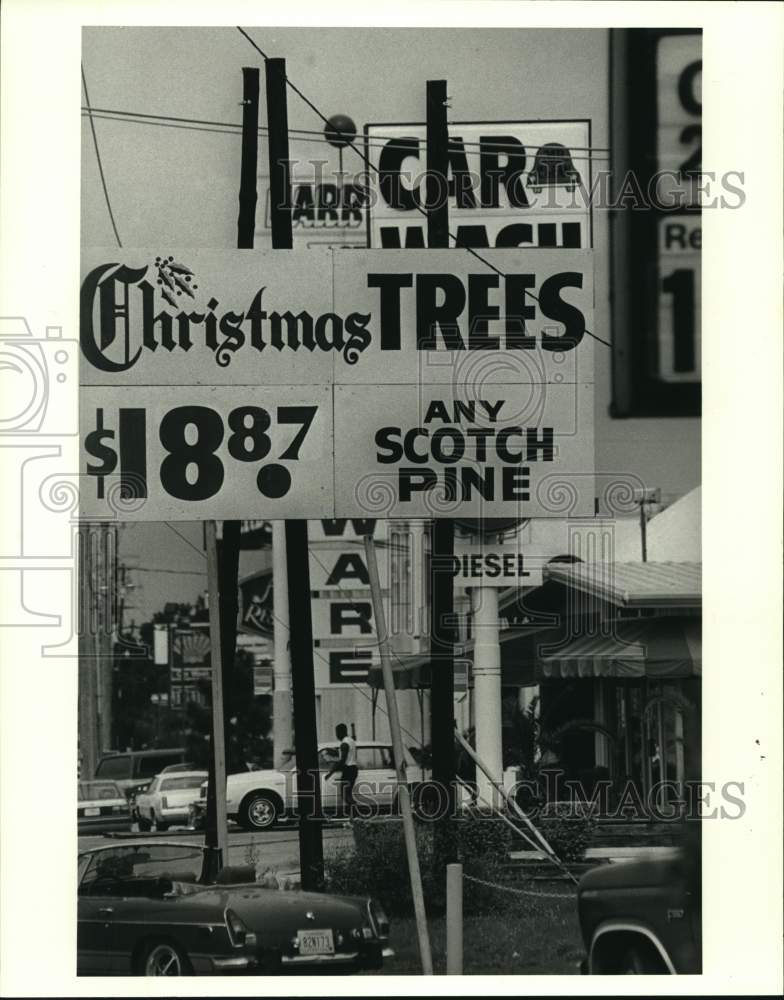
351,384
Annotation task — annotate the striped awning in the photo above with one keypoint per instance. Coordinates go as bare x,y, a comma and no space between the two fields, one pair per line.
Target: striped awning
634,584
658,647
518,659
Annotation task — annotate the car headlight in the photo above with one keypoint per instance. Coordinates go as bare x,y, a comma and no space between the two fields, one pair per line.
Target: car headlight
240,934
378,918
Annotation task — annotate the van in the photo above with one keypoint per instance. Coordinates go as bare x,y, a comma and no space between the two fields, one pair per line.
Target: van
135,769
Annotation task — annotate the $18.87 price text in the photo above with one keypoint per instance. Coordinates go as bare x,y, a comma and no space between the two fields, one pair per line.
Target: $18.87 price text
191,436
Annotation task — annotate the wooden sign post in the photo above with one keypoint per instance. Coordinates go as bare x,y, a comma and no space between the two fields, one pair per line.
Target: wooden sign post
223,556
442,529
403,791
311,850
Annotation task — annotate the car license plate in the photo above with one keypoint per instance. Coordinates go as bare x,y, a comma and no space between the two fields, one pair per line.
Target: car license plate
92,811
316,942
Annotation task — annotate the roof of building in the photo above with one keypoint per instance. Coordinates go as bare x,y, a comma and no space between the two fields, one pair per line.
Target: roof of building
634,584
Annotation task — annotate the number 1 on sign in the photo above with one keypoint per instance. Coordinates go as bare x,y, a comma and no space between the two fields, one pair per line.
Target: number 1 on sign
680,284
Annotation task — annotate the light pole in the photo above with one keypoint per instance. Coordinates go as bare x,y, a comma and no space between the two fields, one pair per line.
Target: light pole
643,497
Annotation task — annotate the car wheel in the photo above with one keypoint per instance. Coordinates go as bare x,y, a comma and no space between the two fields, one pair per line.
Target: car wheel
162,958
259,812
635,962
144,823
159,823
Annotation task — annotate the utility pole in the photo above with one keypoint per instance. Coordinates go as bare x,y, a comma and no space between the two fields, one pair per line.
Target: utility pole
644,497
443,529
281,698
216,835
311,850
88,717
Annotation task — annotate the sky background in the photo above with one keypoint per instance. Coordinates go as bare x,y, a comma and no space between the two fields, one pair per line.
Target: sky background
171,566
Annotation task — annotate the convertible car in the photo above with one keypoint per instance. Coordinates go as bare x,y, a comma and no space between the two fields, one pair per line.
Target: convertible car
143,912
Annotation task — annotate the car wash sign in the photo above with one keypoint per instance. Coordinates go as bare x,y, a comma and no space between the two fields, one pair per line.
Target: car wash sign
327,208
336,383
510,184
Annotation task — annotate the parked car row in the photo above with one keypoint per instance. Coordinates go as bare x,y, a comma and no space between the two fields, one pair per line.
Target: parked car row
144,910
133,770
259,799
167,798
102,807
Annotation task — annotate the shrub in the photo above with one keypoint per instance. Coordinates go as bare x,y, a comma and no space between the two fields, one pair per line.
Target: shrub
377,864
568,828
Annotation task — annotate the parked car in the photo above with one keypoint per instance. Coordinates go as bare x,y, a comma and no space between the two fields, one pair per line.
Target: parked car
142,911
134,769
102,807
166,799
258,799
642,917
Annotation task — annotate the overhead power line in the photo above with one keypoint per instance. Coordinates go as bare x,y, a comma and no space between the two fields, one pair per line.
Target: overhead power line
160,569
308,135
98,158
351,142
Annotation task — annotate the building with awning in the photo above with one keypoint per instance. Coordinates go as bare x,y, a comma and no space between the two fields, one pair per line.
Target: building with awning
621,676
613,653
633,584
656,648
664,645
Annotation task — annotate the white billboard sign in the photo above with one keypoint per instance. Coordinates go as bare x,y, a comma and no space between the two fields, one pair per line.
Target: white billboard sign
350,384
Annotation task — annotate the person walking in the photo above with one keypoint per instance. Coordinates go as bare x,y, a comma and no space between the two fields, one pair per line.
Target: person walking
346,767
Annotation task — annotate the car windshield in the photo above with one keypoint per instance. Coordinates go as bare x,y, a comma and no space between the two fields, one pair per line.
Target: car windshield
114,870
118,766
182,782
89,791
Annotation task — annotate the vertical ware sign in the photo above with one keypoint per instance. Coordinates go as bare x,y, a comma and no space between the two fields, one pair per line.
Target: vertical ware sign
320,383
